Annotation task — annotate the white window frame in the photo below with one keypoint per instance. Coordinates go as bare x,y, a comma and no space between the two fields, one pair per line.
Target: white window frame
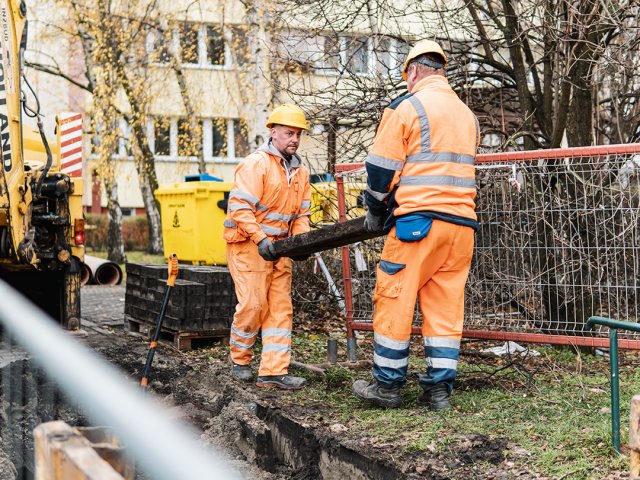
344,50
150,45
173,137
323,68
396,61
127,132
202,49
175,48
207,140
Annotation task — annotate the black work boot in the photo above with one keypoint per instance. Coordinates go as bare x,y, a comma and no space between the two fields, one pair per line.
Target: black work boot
284,382
377,394
435,397
241,372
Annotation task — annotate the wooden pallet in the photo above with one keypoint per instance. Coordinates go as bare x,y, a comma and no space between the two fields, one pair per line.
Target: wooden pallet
63,452
182,340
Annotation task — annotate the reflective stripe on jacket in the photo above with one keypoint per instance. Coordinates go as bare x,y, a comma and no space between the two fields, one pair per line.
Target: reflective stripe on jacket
423,156
268,198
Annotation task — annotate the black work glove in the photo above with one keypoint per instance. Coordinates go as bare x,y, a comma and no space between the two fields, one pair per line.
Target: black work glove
300,258
374,223
267,250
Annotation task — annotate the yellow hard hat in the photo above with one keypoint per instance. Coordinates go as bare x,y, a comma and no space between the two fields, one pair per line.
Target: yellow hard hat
420,48
288,114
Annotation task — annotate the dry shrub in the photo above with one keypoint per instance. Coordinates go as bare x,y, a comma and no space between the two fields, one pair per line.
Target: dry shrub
135,232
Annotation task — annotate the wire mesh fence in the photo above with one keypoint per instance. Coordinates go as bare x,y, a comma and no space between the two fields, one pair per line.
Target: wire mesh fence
558,242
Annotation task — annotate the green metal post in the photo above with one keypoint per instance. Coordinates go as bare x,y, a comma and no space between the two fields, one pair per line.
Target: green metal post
613,325
615,389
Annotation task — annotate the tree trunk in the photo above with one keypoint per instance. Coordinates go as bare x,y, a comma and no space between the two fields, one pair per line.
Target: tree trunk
256,81
580,122
115,244
195,130
153,211
514,41
145,163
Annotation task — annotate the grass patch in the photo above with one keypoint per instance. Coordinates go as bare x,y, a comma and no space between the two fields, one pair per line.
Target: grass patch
133,256
551,412
548,415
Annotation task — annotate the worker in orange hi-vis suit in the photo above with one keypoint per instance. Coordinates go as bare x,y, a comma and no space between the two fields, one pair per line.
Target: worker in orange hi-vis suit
270,200
421,187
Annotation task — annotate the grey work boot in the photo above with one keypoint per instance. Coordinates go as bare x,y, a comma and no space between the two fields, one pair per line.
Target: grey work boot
377,394
435,397
241,372
284,382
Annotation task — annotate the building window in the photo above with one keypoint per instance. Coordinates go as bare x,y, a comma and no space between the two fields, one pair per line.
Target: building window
357,50
189,45
162,136
332,60
199,44
390,54
158,44
400,49
241,138
301,52
124,139
337,55
239,44
189,137
218,137
215,43
342,54
221,139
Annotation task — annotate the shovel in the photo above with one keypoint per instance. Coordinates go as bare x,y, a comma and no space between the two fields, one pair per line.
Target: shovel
171,281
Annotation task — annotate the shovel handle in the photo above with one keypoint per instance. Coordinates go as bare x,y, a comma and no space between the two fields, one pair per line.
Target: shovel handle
173,270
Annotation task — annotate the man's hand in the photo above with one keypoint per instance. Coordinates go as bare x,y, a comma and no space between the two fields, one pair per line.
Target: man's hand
267,250
374,223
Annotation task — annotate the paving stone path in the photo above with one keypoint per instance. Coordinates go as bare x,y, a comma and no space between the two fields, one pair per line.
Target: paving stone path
102,305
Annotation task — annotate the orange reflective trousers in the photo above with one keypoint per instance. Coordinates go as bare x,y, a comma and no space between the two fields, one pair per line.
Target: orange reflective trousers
435,270
264,303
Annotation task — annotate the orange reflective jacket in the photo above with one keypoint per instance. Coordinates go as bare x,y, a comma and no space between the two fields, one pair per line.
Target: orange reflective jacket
423,155
269,198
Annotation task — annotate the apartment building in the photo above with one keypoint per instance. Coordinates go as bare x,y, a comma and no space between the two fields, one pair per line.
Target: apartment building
236,65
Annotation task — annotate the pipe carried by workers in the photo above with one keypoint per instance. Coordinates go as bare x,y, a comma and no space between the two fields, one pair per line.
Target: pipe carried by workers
270,199
421,188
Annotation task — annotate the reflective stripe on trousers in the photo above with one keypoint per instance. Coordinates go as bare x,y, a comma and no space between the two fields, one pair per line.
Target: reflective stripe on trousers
264,303
441,354
390,358
434,269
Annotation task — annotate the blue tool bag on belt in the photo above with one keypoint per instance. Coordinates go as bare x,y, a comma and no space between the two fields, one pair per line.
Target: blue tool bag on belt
412,228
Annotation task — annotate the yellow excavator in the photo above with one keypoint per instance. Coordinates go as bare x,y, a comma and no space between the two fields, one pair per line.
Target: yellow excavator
41,219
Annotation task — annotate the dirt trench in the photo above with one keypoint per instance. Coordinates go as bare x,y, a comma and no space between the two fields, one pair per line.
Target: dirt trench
256,435
261,439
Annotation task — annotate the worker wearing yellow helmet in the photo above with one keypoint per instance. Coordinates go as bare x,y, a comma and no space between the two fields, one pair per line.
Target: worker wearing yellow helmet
270,200
421,187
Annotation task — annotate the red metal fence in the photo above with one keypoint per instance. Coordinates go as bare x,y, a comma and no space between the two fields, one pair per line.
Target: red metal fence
559,241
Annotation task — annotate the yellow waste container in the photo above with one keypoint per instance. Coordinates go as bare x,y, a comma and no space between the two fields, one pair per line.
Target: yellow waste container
193,214
324,202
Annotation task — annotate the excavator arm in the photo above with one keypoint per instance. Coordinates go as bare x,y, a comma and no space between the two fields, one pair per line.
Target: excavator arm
16,194
41,219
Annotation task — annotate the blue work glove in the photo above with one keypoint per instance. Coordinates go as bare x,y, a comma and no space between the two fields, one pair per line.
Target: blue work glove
267,250
374,223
